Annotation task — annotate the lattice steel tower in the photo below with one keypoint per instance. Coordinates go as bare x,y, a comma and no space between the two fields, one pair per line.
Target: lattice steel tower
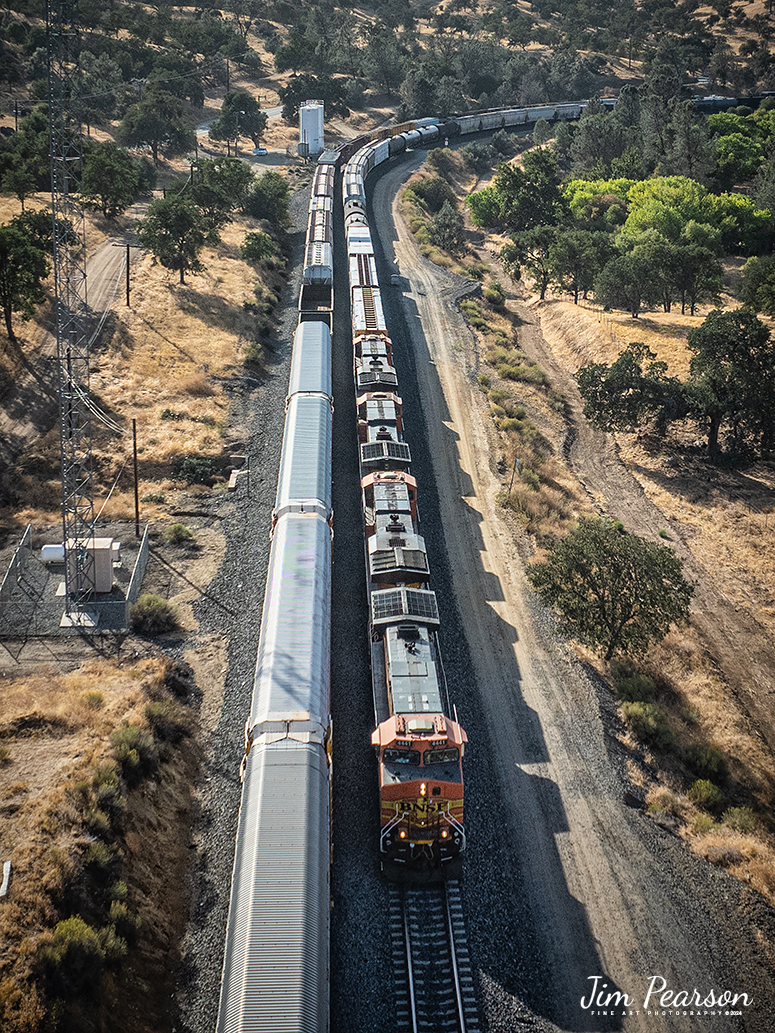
69,254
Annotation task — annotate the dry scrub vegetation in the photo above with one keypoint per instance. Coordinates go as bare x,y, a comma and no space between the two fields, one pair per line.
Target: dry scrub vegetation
707,773
526,410
164,362
96,765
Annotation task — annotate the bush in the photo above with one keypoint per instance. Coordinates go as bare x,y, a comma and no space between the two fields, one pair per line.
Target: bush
106,786
176,534
193,469
433,192
703,824
741,819
135,751
631,685
707,762
153,496
5,754
666,802
94,700
258,247
73,958
648,723
170,722
484,381
705,794
124,921
152,615
495,295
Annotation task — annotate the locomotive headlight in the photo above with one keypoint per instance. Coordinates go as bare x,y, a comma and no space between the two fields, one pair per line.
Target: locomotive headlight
402,834
444,834
423,789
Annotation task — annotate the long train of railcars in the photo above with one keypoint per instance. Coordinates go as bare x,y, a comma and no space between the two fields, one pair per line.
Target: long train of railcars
275,969
275,973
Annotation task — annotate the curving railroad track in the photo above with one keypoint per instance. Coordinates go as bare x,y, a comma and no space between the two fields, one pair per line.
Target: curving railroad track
432,970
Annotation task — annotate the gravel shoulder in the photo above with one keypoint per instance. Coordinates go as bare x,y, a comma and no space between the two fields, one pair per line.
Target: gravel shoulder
606,891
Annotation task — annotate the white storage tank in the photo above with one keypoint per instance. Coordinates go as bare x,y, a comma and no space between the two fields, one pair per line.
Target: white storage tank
311,128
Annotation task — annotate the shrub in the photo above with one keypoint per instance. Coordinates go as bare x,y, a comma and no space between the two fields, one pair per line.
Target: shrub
170,721
704,794
707,762
631,685
258,247
176,534
484,381
152,615
703,824
94,700
495,295
741,819
97,822
5,754
648,723
73,957
106,786
197,385
433,192
135,752
124,921
193,469
153,496
667,803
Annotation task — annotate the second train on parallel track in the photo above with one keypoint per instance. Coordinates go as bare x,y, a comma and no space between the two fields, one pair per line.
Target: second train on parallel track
276,965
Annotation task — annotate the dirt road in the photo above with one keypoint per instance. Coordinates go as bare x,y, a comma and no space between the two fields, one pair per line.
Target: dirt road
608,892
29,409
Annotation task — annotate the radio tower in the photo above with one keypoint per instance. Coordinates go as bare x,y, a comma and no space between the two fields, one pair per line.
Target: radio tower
69,255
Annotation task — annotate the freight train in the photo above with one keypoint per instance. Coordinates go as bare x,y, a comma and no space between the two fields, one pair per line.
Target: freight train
276,961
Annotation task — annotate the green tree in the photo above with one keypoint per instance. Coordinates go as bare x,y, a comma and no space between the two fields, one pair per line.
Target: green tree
628,280
175,230
23,267
632,390
268,199
617,592
757,284
258,247
696,274
240,115
111,178
732,377
447,230
529,251
21,180
322,87
575,258
531,196
219,187
103,91
159,121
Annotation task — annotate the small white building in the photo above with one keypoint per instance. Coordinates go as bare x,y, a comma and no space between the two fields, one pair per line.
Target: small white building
311,128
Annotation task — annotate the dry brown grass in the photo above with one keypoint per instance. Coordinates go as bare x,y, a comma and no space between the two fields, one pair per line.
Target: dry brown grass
57,728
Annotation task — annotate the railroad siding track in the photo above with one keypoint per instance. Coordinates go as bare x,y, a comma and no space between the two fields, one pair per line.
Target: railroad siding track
432,969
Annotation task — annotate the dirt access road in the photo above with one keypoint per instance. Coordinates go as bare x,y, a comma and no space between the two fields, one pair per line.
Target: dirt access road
608,891
30,406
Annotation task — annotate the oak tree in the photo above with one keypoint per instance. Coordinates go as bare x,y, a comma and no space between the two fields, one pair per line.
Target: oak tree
616,591
175,230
